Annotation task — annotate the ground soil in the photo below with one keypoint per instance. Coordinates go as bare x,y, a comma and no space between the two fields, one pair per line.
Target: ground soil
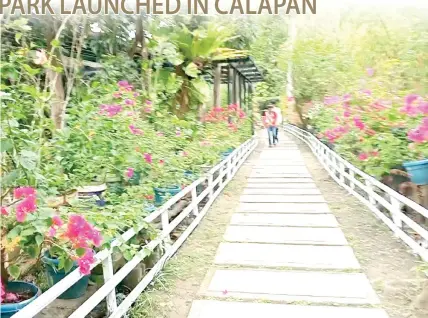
388,263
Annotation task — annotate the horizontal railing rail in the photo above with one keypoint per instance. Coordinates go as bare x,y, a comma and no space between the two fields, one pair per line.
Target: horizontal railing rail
377,196
225,171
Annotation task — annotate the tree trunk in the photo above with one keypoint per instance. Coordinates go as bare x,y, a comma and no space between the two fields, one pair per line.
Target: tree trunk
217,83
56,83
299,111
183,94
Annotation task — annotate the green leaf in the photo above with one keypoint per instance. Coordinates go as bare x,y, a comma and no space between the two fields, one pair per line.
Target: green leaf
68,265
5,145
55,43
18,37
28,159
127,255
39,239
14,232
144,253
33,251
10,178
80,252
30,70
28,232
191,70
14,271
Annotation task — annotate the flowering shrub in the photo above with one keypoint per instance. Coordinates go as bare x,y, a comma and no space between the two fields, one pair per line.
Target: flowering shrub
375,134
35,229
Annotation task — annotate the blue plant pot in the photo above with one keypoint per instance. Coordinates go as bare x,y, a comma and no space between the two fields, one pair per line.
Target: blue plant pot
418,171
8,310
150,208
54,276
162,193
100,202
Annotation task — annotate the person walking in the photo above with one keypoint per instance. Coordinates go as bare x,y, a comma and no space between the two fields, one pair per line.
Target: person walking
278,121
269,121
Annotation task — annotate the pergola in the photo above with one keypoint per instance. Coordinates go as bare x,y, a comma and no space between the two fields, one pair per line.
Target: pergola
239,74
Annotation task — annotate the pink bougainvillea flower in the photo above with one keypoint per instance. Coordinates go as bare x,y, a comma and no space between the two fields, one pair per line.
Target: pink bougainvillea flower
331,100
160,134
233,107
80,232
149,197
185,154
366,92
130,172
117,94
134,130
24,192
148,102
424,108
110,110
123,83
86,261
136,94
347,113
148,158
411,98
290,99
358,123
4,211
52,231
242,114
347,98
178,133
217,109
363,156
374,153
371,132
56,220
161,162
147,110
28,205
370,71
129,102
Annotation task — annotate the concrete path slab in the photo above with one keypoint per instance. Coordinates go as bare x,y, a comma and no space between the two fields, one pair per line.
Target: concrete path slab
317,287
285,235
277,219
273,198
280,180
272,175
280,163
307,208
266,185
294,256
223,309
282,191
274,170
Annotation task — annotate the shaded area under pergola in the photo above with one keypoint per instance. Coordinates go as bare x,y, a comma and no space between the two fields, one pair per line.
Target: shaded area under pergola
239,74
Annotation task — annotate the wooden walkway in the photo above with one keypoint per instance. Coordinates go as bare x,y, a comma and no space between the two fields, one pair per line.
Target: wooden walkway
284,254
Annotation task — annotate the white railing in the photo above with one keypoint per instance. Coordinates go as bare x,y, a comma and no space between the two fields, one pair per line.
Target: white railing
225,171
370,191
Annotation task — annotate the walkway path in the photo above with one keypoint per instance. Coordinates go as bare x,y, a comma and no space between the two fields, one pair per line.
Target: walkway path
283,245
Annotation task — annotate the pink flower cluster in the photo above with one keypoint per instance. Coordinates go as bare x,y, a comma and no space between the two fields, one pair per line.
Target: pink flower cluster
148,158
125,86
333,134
56,223
130,173
134,130
80,232
414,105
110,110
27,205
6,297
359,123
419,134
85,261
365,156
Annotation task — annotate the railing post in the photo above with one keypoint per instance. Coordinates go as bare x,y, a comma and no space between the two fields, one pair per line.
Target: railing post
395,212
194,200
165,223
351,179
108,274
229,168
341,172
210,185
370,192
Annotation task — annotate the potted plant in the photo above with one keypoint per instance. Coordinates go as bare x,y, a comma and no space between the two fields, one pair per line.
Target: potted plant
41,233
